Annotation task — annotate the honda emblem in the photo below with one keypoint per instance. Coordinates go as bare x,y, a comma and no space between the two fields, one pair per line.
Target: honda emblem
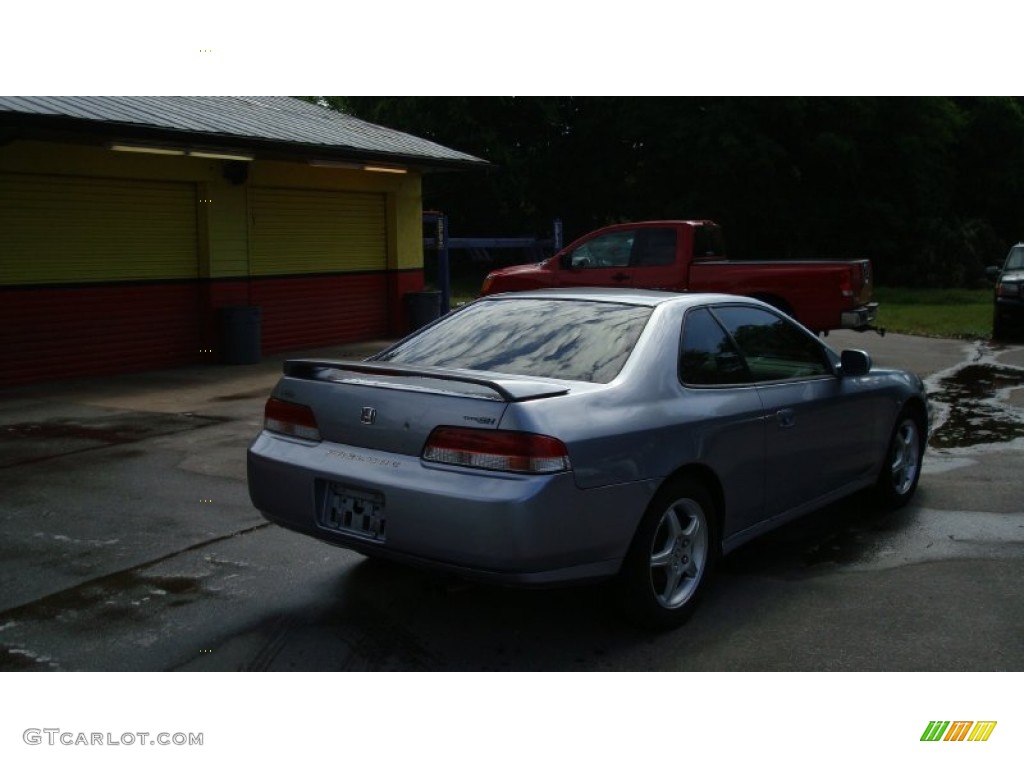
369,415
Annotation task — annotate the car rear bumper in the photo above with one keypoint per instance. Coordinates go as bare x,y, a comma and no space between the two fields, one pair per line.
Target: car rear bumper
498,527
860,317
1010,310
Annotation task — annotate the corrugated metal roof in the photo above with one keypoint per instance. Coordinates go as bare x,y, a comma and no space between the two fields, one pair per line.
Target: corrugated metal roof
277,119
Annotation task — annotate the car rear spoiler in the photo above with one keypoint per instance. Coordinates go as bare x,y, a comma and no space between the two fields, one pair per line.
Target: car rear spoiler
508,389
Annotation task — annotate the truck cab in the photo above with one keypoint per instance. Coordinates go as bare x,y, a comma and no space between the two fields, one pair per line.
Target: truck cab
650,254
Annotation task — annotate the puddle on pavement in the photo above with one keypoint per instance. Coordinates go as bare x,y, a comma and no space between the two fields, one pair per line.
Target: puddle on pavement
113,430
122,596
976,414
128,598
262,393
29,442
19,660
70,430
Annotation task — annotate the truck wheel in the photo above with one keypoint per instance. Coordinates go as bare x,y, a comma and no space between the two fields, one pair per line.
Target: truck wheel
671,557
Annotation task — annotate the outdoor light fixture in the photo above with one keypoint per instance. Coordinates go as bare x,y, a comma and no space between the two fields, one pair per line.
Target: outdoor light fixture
384,169
209,154
213,155
336,164
145,149
355,166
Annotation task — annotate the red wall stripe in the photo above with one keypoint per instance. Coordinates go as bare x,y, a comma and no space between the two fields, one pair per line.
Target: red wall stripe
63,332
320,311
50,333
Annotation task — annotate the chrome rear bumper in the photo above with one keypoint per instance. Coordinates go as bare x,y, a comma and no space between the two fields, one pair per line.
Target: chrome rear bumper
860,318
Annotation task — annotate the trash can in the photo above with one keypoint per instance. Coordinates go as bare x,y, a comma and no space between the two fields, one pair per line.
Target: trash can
422,308
240,327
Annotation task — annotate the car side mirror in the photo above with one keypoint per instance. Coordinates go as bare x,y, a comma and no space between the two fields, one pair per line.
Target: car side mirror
992,273
854,362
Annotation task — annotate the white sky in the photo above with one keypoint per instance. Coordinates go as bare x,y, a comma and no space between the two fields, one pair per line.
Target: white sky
443,47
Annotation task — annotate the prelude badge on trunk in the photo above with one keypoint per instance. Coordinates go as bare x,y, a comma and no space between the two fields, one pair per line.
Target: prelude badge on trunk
369,415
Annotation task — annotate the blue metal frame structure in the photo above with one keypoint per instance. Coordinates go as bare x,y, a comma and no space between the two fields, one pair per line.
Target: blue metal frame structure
442,243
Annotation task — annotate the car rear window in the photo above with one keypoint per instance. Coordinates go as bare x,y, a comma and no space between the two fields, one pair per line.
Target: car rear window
1016,258
553,338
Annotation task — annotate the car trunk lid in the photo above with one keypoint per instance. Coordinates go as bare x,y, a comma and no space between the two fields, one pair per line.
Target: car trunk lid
394,408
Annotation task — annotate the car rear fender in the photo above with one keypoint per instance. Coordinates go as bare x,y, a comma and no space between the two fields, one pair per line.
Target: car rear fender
704,476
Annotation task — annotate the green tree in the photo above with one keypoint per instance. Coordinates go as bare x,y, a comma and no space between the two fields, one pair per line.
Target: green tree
931,188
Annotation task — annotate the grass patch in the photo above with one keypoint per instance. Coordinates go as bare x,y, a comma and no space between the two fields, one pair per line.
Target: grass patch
465,279
953,313
465,289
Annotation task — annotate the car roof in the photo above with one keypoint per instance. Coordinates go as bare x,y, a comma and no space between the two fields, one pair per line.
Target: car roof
635,296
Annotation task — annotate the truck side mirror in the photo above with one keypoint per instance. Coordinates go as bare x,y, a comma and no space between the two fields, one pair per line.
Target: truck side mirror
992,273
574,262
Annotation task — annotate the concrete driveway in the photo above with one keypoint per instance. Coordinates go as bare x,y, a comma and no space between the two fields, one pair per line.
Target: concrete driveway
129,544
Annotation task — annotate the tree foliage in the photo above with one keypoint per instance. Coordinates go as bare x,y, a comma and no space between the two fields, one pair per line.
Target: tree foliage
930,188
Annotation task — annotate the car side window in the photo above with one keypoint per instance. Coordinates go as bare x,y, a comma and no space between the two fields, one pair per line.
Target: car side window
773,348
612,249
708,356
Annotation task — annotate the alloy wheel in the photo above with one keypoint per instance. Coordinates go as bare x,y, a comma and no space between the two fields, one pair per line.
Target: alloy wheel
906,457
679,553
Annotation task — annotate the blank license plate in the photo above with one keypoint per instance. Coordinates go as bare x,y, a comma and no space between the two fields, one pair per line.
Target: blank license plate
354,511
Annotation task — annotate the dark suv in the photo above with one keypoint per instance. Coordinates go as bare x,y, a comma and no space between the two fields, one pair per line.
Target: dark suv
1008,316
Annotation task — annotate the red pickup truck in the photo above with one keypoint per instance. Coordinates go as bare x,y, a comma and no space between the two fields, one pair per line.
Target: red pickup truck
689,256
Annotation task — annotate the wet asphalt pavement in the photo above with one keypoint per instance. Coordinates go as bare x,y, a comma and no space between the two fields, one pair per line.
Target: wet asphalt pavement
128,543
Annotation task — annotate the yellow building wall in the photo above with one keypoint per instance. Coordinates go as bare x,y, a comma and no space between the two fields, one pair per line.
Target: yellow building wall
222,208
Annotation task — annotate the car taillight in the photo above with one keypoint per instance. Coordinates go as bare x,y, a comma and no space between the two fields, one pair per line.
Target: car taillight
290,419
1008,290
486,287
496,449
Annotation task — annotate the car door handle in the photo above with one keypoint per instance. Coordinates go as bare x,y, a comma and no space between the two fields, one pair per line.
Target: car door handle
620,276
786,418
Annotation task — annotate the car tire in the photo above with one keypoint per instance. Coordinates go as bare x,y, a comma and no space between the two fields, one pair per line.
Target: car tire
901,471
998,328
671,557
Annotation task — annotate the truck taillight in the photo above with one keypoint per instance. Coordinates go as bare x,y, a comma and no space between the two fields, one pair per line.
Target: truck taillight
290,419
846,282
496,449
857,282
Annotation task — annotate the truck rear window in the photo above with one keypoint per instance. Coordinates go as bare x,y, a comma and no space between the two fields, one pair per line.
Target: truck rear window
708,242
